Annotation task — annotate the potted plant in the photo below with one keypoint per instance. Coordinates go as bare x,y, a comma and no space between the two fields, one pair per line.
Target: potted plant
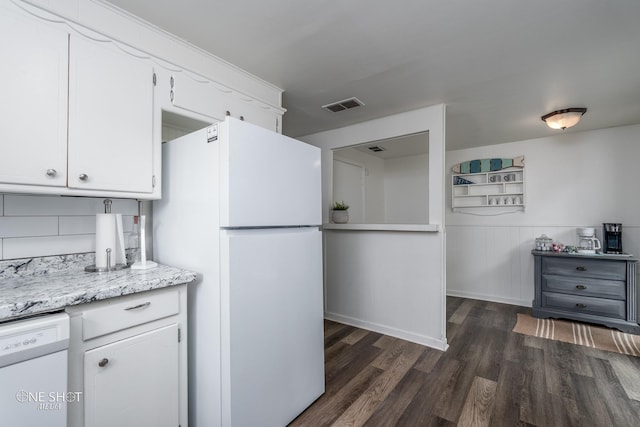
339,213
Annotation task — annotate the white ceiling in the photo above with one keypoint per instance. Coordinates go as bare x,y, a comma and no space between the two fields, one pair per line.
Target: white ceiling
498,65
404,146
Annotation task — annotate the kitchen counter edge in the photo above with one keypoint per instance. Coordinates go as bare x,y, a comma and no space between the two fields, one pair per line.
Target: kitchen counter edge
27,296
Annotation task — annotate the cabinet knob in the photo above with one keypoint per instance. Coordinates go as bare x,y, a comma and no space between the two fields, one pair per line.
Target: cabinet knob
582,287
580,268
580,305
51,172
83,177
103,362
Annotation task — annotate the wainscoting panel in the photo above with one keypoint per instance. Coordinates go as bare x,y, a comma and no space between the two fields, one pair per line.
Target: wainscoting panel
494,263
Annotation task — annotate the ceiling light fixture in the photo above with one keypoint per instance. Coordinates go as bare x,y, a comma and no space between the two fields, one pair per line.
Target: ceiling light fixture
562,119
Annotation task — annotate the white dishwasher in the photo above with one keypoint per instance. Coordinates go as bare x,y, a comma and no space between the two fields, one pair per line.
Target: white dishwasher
33,371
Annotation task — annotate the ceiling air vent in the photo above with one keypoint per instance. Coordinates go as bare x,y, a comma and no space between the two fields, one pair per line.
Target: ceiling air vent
345,104
376,149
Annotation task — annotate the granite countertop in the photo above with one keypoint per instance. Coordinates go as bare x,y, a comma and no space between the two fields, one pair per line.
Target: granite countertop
34,286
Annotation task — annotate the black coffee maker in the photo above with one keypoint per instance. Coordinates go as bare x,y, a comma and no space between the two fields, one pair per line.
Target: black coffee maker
611,238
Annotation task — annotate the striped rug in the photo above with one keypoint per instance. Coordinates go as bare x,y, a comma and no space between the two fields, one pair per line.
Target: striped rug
579,333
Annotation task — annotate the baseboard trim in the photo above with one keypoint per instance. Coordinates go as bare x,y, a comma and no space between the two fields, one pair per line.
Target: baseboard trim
492,298
387,330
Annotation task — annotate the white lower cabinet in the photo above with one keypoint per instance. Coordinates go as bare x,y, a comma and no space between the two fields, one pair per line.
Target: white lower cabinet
128,358
133,382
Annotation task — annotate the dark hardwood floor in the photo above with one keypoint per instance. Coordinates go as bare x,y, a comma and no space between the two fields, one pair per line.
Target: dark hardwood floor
489,376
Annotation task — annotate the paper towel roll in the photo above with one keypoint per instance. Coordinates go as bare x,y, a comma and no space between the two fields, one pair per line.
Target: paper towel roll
105,238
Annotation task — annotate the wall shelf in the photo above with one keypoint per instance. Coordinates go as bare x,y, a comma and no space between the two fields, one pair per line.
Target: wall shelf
501,190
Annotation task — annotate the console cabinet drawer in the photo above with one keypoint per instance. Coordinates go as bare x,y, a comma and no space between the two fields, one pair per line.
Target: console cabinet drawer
598,288
585,305
614,289
585,268
122,313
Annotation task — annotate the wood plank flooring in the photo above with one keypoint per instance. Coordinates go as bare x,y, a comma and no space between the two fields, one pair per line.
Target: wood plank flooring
489,376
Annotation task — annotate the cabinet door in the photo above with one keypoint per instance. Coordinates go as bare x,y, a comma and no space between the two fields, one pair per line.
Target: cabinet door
211,100
33,135
110,118
262,116
252,112
137,384
199,96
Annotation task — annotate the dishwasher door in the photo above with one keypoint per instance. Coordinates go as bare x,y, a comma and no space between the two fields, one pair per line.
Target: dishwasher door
33,372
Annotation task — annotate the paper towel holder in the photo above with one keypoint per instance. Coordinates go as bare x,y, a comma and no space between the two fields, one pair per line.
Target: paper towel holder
94,269
144,263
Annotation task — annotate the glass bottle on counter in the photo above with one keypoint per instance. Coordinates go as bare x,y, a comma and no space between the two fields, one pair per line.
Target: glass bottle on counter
543,243
134,241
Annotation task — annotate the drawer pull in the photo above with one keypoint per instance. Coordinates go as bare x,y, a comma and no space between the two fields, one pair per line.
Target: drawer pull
581,268
580,305
135,307
103,362
581,287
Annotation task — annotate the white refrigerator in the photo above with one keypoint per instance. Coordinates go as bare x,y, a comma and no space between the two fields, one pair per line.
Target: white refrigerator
241,205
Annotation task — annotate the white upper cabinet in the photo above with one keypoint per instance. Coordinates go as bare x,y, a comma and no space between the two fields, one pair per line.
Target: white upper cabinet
84,89
110,118
77,110
197,96
245,108
206,98
33,135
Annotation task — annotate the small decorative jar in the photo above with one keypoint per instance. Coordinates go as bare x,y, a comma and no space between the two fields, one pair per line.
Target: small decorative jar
543,243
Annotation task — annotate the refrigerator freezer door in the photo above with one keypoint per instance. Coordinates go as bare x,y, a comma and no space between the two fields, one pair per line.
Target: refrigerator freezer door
267,179
272,325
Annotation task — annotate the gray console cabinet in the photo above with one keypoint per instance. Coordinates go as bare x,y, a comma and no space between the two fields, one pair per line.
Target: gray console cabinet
590,288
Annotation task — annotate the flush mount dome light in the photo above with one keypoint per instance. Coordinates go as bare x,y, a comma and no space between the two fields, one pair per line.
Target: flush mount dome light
562,119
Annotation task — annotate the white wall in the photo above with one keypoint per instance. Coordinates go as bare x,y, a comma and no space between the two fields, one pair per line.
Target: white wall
373,182
390,282
406,190
387,282
32,226
396,190
572,180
